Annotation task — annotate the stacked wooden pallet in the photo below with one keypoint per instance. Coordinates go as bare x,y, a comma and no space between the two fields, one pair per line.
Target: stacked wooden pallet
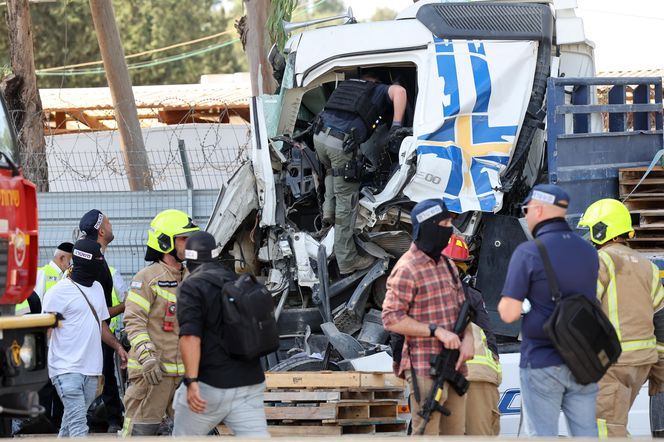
334,404
646,204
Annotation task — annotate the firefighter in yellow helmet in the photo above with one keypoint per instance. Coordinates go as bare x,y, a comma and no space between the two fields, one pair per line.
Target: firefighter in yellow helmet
155,366
632,296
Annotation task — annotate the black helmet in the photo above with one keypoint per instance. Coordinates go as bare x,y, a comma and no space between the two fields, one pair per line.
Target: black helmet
200,247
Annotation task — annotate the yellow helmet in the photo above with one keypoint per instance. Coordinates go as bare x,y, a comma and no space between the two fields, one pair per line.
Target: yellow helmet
167,225
607,219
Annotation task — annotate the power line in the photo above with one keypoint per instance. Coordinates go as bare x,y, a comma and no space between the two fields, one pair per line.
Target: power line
138,54
70,70
144,64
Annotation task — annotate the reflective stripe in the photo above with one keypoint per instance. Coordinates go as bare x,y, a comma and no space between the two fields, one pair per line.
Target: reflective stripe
133,363
23,308
483,360
115,321
613,296
600,290
660,348
602,431
487,358
168,296
126,426
174,368
657,293
139,300
638,344
658,298
53,276
139,338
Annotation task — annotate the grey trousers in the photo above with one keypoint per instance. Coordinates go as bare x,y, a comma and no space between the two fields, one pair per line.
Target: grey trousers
241,409
341,199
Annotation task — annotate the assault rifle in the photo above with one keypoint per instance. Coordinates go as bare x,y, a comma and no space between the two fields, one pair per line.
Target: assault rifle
443,370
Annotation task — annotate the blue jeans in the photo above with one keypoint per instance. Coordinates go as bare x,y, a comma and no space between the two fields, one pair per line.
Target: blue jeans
77,392
545,391
241,409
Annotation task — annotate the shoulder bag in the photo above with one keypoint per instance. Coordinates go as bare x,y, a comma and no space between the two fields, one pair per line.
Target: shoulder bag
579,330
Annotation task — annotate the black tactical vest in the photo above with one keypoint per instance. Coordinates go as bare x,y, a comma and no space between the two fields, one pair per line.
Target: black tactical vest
354,96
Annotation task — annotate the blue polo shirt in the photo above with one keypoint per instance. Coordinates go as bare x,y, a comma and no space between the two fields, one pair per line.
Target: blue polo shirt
575,263
345,121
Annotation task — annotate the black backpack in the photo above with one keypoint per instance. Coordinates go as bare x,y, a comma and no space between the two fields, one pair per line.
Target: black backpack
580,331
249,326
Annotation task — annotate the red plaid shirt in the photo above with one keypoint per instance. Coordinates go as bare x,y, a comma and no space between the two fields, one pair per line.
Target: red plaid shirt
426,291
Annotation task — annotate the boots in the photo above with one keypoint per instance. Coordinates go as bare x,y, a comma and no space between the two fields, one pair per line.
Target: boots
361,263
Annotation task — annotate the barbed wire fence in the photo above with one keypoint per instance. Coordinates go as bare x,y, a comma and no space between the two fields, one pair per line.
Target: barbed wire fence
189,162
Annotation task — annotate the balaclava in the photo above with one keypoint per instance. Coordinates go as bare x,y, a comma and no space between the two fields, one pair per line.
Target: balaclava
88,262
428,236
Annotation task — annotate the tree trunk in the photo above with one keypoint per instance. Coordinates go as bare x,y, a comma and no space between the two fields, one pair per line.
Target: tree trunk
117,75
23,96
255,29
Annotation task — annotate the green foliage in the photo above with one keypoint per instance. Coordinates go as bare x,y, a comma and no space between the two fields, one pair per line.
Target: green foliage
280,10
64,33
383,14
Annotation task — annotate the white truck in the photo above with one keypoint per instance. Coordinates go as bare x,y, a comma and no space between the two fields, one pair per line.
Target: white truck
476,76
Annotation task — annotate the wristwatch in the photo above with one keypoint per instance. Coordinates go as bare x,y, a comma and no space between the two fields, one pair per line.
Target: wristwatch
188,381
432,330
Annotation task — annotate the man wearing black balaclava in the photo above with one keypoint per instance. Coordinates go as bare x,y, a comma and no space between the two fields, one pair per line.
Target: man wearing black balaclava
423,300
74,355
96,226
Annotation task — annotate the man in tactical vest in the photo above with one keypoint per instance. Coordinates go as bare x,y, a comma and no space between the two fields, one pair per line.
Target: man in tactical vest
350,116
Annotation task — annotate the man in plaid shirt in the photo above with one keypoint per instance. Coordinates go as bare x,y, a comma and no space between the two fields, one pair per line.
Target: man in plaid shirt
423,300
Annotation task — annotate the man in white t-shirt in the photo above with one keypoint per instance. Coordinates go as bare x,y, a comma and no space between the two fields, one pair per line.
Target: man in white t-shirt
74,355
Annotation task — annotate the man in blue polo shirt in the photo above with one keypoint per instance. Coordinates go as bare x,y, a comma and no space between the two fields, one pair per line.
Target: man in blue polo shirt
547,385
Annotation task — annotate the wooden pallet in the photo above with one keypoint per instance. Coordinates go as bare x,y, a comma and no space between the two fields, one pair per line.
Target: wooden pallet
383,428
332,379
646,206
333,404
331,412
320,395
652,186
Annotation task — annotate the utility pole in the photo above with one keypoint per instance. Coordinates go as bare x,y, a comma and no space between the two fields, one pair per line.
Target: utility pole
117,75
22,95
255,32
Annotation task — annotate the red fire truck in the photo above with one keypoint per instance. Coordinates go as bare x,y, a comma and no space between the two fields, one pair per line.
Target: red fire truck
23,339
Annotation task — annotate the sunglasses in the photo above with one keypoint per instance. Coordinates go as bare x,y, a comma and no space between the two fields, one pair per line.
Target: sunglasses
524,209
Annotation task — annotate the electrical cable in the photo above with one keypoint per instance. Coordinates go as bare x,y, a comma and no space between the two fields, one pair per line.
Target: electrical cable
67,71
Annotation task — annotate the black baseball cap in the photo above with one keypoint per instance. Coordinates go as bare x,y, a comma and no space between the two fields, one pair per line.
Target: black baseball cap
90,223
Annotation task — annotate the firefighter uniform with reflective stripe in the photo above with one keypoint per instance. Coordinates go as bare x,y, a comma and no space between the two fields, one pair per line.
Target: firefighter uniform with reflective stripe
485,375
47,277
631,293
152,329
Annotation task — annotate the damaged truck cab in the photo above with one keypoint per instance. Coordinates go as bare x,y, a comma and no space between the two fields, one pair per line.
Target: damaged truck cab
475,74
476,78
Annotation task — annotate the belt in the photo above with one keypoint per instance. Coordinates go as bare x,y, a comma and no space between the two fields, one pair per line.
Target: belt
339,135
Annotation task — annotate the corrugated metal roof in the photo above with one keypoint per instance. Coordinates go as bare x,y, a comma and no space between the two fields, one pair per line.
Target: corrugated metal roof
226,90
636,73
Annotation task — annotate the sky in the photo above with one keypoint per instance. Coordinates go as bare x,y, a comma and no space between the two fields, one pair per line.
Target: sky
627,34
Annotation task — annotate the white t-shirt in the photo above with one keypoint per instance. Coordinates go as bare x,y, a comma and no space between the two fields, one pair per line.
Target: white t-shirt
75,346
